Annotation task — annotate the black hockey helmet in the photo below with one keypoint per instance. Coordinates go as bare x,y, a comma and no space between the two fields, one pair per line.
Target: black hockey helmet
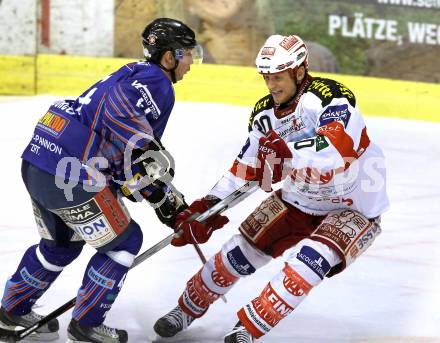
165,34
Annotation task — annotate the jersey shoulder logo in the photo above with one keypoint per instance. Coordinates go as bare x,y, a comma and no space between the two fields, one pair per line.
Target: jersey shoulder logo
335,113
53,124
327,89
261,105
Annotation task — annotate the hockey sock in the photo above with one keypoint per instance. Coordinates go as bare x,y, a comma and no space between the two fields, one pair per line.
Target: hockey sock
278,299
33,277
210,282
101,285
307,266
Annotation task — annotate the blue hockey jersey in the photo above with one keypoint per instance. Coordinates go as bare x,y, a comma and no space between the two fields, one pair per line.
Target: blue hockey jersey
128,107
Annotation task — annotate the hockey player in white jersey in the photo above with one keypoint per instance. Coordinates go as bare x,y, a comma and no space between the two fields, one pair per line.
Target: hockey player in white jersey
308,132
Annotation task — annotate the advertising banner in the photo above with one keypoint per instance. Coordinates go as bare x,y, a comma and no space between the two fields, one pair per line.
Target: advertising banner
398,39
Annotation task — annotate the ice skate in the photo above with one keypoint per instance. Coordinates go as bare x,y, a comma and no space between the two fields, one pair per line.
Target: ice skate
239,334
173,322
48,332
77,333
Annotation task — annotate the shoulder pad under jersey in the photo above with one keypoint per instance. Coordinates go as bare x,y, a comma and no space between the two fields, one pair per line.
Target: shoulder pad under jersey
327,89
261,105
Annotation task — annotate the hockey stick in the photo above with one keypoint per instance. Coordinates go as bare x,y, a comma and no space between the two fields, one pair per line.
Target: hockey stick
249,187
17,335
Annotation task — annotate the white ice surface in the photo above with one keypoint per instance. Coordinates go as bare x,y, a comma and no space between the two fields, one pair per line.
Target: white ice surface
392,293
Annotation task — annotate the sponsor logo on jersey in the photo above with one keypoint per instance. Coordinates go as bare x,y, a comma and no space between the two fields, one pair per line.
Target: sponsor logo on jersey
346,92
146,102
64,106
239,262
35,148
335,113
321,143
32,281
326,90
52,124
296,124
321,88
100,279
314,260
286,120
46,144
261,104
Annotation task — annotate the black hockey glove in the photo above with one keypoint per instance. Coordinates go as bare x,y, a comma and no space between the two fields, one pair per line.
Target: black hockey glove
150,169
156,163
167,204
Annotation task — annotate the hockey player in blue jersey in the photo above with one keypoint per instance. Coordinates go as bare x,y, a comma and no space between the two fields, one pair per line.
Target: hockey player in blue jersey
75,168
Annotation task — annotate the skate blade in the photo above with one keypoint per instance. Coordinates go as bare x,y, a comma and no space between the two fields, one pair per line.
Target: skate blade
41,337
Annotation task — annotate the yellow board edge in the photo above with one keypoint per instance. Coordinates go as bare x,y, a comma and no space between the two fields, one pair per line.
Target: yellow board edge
17,75
71,75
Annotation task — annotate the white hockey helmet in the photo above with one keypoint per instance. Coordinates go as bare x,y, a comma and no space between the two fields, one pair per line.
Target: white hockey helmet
281,53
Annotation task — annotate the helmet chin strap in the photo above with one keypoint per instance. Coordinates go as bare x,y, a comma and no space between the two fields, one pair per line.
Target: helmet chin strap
172,71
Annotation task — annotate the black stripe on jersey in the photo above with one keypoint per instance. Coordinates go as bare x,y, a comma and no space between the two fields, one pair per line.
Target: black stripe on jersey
326,90
261,105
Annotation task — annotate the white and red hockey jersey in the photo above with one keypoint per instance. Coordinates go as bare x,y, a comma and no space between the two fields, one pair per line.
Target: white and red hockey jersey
334,164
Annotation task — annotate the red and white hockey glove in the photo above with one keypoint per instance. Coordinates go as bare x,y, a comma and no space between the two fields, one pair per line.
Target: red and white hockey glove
272,154
193,231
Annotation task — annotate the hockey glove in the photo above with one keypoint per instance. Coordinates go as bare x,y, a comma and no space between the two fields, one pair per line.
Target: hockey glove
273,154
154,166
157,163
192,231
167,205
